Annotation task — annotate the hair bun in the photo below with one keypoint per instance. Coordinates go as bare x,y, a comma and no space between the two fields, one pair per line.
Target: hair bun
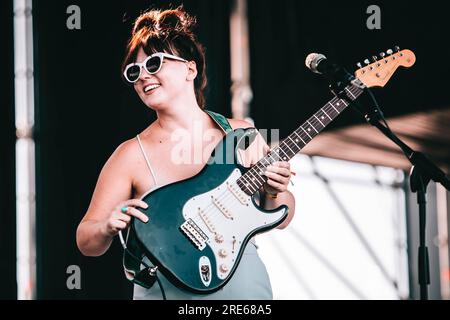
165,22
147,20
177,20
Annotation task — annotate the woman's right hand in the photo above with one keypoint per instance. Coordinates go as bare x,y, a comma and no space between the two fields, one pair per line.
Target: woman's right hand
120,217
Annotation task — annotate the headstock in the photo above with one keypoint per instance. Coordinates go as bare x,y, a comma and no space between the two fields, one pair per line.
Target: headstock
378,72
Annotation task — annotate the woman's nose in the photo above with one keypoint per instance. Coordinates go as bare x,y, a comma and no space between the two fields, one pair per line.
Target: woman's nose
144,75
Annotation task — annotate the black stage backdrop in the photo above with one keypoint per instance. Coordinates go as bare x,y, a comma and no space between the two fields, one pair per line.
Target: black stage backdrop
84,111
283,32
7,156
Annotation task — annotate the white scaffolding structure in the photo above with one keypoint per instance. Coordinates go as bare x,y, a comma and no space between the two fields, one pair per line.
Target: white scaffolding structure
25,156
241,92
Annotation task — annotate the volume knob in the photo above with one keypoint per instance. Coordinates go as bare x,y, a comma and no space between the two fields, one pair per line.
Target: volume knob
223,268
223,253
219,238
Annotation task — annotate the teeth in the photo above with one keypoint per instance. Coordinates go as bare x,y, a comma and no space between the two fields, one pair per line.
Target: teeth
151,87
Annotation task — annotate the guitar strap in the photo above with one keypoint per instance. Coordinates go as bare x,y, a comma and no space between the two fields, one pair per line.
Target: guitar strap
220,120
133,254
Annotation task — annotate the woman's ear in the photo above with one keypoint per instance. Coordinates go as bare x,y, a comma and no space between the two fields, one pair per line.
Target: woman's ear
192,71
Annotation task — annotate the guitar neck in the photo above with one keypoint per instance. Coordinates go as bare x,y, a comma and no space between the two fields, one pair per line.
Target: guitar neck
254,179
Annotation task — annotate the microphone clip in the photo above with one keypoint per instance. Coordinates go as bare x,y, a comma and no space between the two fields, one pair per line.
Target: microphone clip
367,105
338,80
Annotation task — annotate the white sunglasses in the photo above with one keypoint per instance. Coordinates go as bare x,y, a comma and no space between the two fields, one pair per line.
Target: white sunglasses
152,65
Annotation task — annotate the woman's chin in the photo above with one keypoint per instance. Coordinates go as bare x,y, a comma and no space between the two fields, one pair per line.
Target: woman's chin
152,101
155,105
156,101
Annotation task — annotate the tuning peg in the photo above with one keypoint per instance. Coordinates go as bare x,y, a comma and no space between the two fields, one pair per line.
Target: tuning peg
367,61
396,48
389,51
359,65
382,55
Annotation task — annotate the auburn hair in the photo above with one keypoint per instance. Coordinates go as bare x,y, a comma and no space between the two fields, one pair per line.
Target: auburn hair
169,31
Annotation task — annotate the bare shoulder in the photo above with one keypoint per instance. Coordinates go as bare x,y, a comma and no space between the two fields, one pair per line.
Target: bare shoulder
123,160
237,123
126,151
114,183
258,147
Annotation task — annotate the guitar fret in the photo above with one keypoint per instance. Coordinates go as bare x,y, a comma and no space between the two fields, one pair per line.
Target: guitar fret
252,188
257,177
327,115
265,160
306,133
297,141
241,184
341,101
300,137
350,92
283,151
259,171
274,160
312,126
333,108
295,144
255,172
289,149
319,121
249,183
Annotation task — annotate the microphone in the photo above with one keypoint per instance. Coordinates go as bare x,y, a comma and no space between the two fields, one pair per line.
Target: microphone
318,63
313,60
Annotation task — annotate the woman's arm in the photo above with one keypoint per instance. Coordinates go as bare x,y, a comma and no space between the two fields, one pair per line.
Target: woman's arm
285,197
104,217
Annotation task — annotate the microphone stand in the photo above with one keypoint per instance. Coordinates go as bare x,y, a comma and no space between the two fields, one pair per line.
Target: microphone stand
423,170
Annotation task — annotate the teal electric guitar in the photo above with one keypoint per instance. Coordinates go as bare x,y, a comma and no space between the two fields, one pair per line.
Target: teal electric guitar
199,227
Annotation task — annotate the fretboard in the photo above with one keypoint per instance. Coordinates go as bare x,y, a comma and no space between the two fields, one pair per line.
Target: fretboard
254,178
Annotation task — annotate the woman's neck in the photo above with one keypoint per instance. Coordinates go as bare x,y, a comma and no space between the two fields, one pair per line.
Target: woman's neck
180,117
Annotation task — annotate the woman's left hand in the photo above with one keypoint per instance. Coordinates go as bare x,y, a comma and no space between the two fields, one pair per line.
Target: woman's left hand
278,174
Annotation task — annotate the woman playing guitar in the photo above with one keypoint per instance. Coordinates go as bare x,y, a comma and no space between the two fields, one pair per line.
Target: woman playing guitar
166,65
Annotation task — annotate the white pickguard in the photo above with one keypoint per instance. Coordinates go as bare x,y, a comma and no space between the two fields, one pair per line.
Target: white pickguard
226,217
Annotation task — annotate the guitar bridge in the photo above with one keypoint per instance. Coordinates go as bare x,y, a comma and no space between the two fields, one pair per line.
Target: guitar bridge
193,232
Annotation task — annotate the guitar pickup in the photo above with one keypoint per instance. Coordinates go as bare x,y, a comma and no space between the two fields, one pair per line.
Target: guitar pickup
206,220
222,208
238,193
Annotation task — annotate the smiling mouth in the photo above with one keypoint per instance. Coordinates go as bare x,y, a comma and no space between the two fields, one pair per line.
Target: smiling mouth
151,87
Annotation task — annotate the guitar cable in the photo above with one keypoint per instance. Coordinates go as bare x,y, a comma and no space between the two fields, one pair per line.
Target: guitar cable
152,270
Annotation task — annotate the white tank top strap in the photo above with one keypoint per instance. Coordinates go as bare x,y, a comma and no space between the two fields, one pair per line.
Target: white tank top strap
146,160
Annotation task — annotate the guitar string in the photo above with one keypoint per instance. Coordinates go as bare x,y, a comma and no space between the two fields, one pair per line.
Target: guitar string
291,145
229,200
313,122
